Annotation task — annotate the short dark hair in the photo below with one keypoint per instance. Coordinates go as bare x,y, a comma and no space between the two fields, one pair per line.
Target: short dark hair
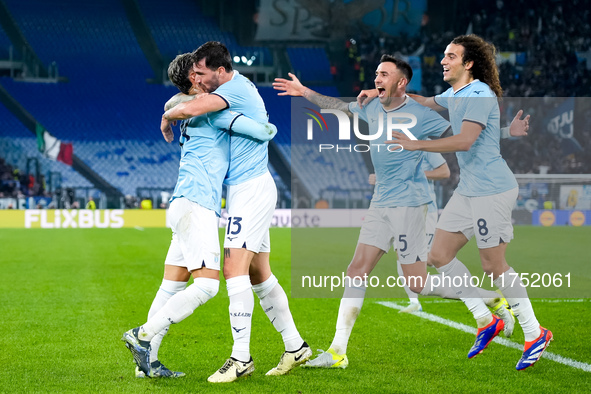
403,66
216,55
178,72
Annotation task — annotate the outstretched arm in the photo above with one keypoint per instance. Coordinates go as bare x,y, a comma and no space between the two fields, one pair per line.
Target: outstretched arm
252,128
296,89
456,143
427,102
439,173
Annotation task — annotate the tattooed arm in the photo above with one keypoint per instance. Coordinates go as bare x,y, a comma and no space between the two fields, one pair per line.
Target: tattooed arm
295,88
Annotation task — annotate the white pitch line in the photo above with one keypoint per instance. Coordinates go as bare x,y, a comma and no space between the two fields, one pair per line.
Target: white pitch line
471,330
545,300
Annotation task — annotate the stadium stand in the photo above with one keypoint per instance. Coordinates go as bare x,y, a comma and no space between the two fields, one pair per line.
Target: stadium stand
116,134
310,64
179,25
5,44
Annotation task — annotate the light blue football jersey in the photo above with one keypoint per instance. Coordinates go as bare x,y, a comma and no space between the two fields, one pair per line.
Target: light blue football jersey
431,161
205,157
483,171
248,157
400,179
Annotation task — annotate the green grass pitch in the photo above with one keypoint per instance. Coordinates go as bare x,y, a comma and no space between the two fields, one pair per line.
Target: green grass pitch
66,297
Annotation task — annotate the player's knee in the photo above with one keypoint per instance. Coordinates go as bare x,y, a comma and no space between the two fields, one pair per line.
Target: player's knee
229,271
416,288
259,272
493,267
231,268
415,283
487,267
257,276
209,286
438,259
202,290
358,267
355,271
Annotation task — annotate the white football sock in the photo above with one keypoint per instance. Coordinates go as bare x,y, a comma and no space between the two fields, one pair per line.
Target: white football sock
455,269
490,298
434,286
412,296
349,309
180,306
241,307
275,304
167,289
515,292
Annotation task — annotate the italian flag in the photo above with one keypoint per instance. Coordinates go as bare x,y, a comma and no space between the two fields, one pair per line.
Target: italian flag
53,148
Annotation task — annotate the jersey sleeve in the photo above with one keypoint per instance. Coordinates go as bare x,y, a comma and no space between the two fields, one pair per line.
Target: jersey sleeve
229,94
434,125
442,99
362,112
252,128
222,119
234,92
478,109
237,123
435,160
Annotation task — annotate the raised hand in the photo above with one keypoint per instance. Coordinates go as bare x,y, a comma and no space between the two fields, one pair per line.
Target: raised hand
519,127
289,88
166,128
365,97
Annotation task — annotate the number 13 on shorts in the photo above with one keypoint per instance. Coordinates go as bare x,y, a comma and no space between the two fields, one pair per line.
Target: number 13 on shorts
233,227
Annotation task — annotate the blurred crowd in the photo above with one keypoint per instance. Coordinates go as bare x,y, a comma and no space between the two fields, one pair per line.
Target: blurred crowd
549,45
14,184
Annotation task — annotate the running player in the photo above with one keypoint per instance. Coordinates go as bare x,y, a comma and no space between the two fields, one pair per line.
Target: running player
396,217
251,200
483,202
194,211
436,168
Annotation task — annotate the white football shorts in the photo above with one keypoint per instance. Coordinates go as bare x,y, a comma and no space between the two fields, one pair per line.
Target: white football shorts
487,217
430,226
402,228
195,236
250,207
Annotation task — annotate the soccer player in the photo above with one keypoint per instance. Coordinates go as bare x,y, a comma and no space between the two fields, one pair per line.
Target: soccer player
396,217
251,200
194,211
482,203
